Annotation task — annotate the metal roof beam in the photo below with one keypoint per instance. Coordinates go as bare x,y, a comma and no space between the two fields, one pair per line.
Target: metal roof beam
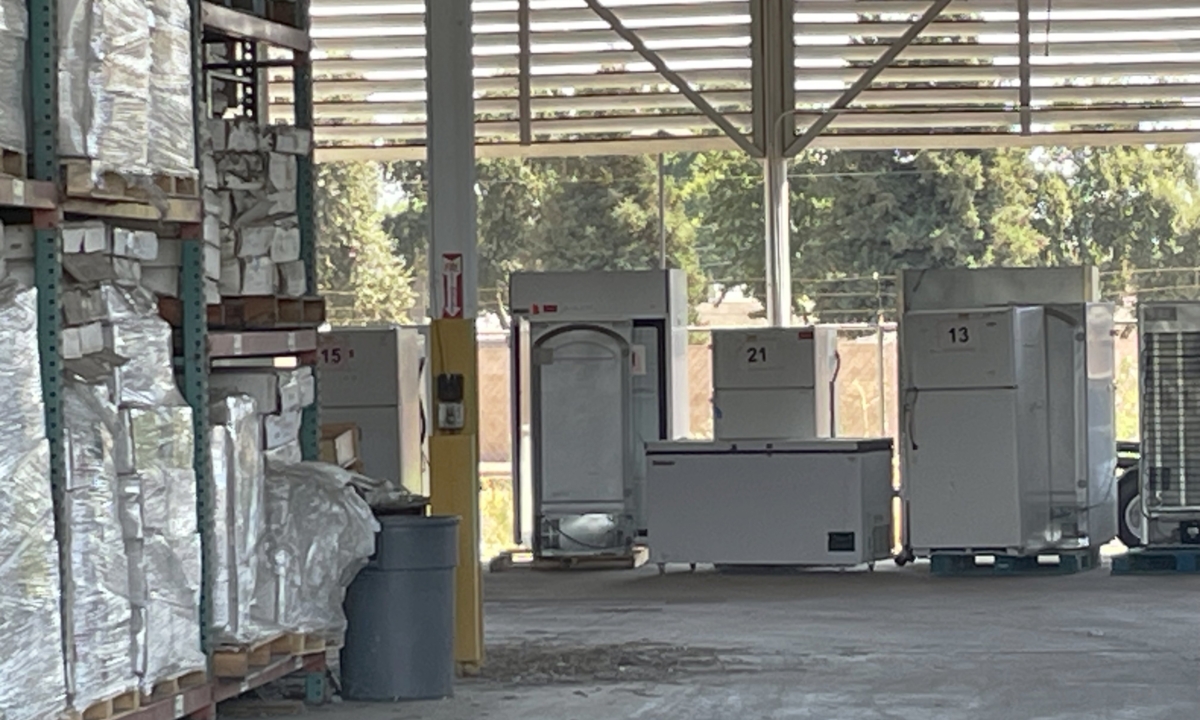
868,77
683,86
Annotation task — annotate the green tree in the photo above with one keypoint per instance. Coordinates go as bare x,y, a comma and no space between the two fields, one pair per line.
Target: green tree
364,280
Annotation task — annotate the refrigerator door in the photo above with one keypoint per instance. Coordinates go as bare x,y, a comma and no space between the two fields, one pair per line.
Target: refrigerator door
968,349
962,471
583,436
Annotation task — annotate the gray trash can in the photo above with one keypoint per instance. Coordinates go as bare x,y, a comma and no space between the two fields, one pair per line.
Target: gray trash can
400,613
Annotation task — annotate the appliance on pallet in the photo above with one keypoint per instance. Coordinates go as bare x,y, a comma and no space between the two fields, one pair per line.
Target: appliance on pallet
599,369
820,502
372,377
773,489
774,383
1007,425
1161,505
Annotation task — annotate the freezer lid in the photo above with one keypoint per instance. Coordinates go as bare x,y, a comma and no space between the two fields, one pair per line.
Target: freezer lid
777,447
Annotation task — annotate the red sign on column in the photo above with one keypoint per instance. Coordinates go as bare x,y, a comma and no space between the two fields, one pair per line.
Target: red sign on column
452,285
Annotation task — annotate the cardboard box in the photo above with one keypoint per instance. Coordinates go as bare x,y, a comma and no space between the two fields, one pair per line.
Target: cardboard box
281,429
339,444
18,242
84,237
256,241
281,170
99,267
285,246
212,261
135,244
261,385
161,280
258,276
170,254
293,279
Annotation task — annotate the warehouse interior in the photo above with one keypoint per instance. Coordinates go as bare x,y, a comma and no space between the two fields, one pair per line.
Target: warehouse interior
221,499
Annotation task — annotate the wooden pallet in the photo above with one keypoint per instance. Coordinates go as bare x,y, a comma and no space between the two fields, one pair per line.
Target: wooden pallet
83,181
171,686
112,706
302,644
1062,562
13,163
266,313
1158,560
238,662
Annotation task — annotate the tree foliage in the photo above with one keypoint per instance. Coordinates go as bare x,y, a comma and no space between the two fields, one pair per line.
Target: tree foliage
857,218
358,271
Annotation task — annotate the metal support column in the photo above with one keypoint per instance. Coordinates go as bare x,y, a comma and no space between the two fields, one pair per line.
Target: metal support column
43,152
310,427
454,452
772,49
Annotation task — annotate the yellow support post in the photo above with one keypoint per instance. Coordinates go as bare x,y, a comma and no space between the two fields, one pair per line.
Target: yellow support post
454,481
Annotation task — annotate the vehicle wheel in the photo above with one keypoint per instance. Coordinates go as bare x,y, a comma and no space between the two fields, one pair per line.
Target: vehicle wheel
662,568
870,567
1129,509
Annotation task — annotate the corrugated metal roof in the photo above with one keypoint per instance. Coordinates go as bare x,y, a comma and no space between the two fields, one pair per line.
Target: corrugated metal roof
1098,70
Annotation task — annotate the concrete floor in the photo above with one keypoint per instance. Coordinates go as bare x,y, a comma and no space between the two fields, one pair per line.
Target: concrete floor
896,643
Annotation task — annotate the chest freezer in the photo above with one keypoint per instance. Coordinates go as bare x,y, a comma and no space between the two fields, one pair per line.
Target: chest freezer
825,502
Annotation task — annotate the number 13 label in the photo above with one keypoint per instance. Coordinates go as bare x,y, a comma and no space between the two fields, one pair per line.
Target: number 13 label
958,335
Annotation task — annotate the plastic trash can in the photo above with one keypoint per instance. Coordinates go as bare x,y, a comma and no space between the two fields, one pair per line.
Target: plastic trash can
400,613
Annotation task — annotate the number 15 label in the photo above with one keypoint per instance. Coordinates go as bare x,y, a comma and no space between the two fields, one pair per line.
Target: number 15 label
957,335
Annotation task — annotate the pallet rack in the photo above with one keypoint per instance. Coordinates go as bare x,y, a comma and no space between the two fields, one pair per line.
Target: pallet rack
45,198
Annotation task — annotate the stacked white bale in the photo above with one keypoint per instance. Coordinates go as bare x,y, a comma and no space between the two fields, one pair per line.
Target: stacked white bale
320,534
14,22
125,88
250,174
239,526
115,344
100,594
279,396
32,686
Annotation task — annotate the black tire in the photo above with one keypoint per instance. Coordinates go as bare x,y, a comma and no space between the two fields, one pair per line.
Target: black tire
1127,491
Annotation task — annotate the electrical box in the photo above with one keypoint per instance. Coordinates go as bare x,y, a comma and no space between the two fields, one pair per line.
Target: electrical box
372,377
774,383
599,369
817,502
1007,424
1169,492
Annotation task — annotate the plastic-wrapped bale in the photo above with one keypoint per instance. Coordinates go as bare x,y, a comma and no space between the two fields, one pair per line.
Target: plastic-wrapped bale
104,83
172,136
143,339
162,442
13,33
239,521
98,607
31,668
320,534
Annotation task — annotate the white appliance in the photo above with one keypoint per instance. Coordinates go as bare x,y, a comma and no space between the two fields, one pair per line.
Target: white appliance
774,383
817,502
372,377
1165,507
599,369
1007,429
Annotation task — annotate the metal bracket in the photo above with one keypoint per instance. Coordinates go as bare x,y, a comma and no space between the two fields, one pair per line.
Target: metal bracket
675,78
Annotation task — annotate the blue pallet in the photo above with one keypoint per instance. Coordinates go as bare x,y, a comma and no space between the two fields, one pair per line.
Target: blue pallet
1157,560
1068,562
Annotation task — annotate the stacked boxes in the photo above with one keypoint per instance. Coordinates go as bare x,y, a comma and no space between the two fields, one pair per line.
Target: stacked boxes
250,176
13,36
239,523
280,396
125,90
31,665
136,547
